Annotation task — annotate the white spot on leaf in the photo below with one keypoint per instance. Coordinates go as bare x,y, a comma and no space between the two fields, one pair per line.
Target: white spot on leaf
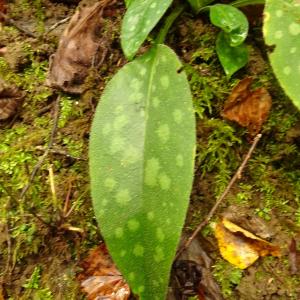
287,70
163,132
110,183
160,235
133,225
135,84
164,181
150,215
294,29
165,81
278,34
177,115
279,13
136,97
117,144
120,122
151,171
131,155
106,129
159,254
155,102
138,250
179,160
123,197
119,232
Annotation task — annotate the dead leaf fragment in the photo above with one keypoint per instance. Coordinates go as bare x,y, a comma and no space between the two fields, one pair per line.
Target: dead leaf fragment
10,100
191,274
101,279
294,257
78,50
248,108
239,246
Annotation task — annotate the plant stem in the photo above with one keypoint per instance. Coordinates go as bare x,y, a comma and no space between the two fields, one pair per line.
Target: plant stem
169,22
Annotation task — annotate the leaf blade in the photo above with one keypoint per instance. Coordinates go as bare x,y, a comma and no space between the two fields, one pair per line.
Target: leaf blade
232,58
198,4
282,30
148,186
140,18
232,21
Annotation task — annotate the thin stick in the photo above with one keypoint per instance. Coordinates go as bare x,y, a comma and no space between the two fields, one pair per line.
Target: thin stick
15,24
235,177
60,152
65,20
44,156
67,201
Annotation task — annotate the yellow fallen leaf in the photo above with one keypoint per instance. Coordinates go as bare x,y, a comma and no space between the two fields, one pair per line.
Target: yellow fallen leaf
241,247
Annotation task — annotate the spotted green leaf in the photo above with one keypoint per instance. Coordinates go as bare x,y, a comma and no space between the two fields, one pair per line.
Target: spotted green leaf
241,3
198,4
232,58
140,18
232,21
128,2
282,30
141,165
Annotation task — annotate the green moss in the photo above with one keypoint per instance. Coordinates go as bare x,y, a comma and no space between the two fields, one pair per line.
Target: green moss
216,152
227,276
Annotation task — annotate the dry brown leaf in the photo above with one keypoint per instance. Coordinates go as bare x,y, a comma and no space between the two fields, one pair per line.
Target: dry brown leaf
239,246
248,108
101,279
185,277
78,50
294,256
10,100
2,7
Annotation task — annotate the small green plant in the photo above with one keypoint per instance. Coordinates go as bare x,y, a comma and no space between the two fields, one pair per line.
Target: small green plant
34,281
32,285
227,275
143,136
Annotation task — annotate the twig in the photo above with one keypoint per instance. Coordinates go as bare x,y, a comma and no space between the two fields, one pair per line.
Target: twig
15,24
67,201
235,177
65,20
60,152
7,268
42,159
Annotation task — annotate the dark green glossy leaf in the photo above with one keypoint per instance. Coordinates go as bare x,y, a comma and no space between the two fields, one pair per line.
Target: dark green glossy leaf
232,58
141,165
282,30
232,21
198,4
140,18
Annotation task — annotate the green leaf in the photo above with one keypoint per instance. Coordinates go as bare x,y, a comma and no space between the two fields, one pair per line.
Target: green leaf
241,3
282,30
198,4
141,165
232,21
232,58
140,18
128,2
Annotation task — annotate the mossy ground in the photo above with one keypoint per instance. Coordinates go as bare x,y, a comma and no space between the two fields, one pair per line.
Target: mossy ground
40,247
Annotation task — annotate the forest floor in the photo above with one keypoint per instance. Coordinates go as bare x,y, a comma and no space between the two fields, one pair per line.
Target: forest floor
45,234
